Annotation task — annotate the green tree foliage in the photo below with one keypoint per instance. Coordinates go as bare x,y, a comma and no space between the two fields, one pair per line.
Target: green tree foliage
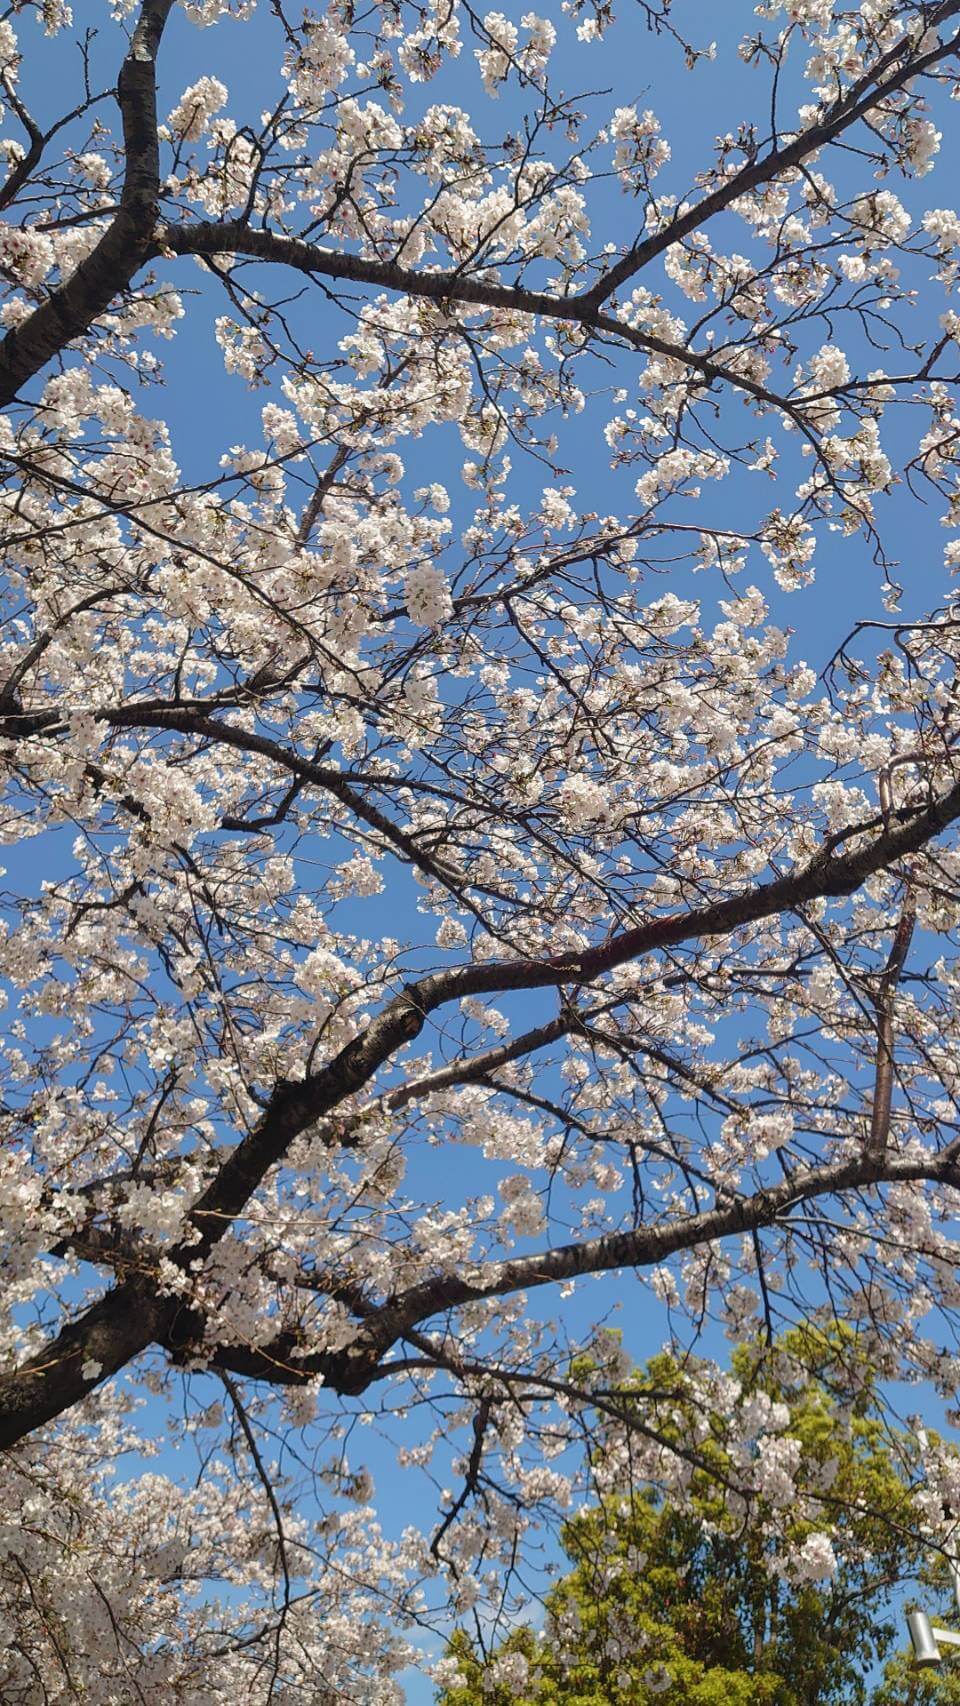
904,1685
716,1602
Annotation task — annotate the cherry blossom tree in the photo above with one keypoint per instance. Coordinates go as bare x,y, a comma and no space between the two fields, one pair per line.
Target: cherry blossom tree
424,892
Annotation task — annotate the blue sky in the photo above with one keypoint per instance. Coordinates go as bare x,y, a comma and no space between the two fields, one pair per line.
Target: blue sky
209,410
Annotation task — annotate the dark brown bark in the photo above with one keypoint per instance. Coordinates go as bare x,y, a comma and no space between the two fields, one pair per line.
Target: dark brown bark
110,1333
379,1328
72,308
448,286
885,1066
132,1315
124,1322
644,1248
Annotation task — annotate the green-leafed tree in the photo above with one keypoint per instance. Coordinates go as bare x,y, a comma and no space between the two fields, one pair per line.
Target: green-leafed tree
786,1599
904,1685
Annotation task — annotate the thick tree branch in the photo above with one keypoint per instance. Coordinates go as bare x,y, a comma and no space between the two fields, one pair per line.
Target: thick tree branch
444,287
352,1369
645,1247
120,1325
296,1106
879,1133
83,1354
52,1381
71,309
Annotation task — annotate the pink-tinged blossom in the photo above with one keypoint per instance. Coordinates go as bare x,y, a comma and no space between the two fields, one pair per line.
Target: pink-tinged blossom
814,1561
195,108
432,917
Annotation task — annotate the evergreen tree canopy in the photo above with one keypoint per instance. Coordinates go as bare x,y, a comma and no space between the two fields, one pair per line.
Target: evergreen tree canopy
694,1606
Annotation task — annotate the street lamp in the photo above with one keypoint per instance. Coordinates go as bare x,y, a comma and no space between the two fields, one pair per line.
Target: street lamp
927,1640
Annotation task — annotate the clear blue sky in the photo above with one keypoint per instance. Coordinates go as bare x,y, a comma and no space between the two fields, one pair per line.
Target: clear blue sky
208,410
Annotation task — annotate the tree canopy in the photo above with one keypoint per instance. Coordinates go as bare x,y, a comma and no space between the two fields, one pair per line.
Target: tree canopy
479,732
689,1604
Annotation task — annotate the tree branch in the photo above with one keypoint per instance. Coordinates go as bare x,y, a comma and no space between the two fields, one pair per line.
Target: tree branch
444,287
108,1335
865,94
51,1381
72,308
879,1133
